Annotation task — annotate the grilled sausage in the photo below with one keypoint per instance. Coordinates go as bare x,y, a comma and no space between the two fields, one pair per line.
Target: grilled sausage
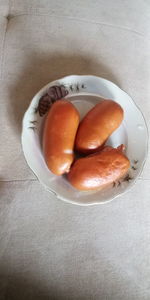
99,170
59,135
98,125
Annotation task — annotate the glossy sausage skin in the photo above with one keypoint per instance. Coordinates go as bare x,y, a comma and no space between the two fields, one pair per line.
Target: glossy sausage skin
99,170
98,125
59,135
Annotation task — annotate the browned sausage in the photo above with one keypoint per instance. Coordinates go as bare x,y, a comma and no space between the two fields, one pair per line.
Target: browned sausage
59,134
98,125
99,170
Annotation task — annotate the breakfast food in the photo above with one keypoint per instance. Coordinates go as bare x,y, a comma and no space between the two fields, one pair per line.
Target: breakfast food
98,171
59,135
105,165
98,125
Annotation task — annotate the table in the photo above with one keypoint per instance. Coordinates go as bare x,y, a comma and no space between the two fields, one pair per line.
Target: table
50,249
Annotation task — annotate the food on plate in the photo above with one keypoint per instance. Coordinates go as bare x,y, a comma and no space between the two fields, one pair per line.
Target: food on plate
59,135
98,124
98,171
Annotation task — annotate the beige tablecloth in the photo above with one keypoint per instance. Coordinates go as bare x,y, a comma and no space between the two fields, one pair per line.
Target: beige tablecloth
50,249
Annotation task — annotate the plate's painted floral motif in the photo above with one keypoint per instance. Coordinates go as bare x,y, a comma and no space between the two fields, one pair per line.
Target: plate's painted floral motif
55,93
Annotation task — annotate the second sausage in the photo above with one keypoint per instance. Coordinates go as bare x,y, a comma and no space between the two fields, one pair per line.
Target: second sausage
98,125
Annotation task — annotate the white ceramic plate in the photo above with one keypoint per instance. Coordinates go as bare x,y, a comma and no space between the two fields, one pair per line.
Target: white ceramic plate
84,92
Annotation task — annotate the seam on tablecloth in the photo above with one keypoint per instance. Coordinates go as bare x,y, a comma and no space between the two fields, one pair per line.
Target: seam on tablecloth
80,20
3,47
18,180
32,180
3,42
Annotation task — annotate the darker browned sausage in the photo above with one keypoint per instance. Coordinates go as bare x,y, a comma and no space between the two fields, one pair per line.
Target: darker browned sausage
99,170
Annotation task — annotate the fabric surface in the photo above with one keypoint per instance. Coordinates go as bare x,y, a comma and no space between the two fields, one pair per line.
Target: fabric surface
50,249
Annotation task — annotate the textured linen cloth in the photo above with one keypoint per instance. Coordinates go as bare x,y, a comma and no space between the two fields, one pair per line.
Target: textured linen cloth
50,249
